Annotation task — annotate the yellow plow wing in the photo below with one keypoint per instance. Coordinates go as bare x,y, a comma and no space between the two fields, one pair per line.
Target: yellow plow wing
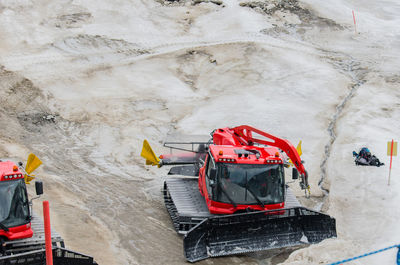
31,165
149,155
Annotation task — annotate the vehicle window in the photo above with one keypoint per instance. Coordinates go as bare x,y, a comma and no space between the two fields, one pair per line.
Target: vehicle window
208,170
210,164
14,203
244,182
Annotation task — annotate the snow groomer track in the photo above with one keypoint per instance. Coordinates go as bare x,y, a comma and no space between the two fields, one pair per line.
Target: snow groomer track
208,235
36,241
31,251
187,207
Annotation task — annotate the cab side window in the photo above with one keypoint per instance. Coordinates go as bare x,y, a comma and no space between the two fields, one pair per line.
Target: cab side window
208,169
209,166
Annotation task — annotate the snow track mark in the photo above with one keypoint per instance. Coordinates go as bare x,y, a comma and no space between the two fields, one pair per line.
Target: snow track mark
352,69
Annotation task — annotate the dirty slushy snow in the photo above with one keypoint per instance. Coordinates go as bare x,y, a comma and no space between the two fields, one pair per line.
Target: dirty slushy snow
84,82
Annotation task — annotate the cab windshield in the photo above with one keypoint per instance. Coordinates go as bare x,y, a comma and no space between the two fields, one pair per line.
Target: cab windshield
14,205
250,184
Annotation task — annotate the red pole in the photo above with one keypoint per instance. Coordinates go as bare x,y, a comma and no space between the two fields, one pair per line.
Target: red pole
47,233
355,25
391,155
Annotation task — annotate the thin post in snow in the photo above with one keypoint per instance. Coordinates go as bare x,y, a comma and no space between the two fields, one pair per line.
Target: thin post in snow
355,24
391,151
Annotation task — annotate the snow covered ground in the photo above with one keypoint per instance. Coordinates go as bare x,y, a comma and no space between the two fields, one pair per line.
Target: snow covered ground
84,82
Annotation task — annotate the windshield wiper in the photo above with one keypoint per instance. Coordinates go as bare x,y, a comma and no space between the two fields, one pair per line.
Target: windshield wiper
255,197
2,226
252,193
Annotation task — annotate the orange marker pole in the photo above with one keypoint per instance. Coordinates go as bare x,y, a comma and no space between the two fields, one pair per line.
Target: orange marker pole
355,25
47,233
391,156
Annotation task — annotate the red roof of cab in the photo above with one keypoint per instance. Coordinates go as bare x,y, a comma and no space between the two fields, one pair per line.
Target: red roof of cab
7,168
228,151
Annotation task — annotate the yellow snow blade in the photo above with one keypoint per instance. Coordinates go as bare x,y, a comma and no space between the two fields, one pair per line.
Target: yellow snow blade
28,178
149,155
299,151
32,163
298,148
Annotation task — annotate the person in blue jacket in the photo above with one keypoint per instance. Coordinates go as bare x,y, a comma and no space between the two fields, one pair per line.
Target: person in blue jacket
364,158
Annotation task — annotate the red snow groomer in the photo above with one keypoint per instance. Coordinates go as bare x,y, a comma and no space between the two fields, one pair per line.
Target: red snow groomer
22,235
233,198
15,213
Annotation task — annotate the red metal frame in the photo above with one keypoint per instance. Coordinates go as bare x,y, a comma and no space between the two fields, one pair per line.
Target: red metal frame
243,135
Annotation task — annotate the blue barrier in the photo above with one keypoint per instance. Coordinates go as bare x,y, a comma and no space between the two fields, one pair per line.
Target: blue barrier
370,253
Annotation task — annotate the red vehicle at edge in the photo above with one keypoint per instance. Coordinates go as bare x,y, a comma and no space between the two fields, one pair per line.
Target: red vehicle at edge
15,213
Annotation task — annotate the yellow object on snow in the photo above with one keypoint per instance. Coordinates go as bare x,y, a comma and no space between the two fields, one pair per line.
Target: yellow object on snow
32,164
149,155
389,148
298,148
299,151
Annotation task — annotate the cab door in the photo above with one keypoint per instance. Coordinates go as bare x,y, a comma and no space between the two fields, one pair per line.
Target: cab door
202,171
206,182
